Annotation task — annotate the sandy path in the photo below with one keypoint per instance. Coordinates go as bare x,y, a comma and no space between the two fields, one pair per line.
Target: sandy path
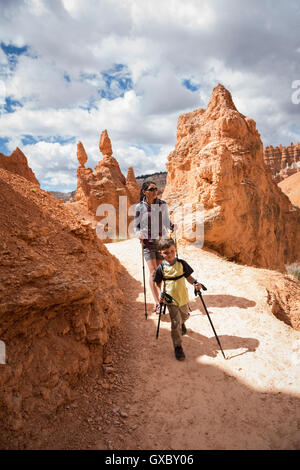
249,401
143,398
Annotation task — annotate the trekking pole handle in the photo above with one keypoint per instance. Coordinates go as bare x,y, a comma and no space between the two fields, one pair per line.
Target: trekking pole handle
203,287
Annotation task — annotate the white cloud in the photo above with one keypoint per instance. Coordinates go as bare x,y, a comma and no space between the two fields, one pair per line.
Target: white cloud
122,117
163,93
40,83
71,44
53,164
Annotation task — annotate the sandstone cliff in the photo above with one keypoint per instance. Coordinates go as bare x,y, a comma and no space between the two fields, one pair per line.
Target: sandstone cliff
291,187
218,162
283,161
17,163
59,300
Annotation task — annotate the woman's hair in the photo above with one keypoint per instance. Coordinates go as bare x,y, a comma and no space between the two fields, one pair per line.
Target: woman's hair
145,186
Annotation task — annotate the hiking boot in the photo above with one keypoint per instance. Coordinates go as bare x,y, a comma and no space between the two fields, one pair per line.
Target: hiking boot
183,329
179,354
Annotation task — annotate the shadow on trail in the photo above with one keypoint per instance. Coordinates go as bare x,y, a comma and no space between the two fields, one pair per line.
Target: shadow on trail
221,301
217,406
208,346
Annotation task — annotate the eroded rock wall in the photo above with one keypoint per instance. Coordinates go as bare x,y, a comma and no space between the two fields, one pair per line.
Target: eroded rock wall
59,300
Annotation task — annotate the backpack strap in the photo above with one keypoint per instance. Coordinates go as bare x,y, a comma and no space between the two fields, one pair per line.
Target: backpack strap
175,278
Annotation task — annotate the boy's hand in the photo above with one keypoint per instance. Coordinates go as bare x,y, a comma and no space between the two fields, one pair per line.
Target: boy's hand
198,286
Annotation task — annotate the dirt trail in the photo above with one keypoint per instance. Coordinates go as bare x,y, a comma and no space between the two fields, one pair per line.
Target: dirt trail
249,401
149,400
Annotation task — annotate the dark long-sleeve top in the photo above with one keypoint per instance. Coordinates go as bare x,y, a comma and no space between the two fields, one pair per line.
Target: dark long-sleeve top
152,220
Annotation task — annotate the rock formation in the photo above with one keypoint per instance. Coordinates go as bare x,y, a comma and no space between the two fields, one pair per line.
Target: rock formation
59,301
106,183
81,154
132,185
218,162
17,163
283,161
105,144
291,187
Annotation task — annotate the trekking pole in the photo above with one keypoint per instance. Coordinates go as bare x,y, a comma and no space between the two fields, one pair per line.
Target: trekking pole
175,241
198,292
162,306
144,281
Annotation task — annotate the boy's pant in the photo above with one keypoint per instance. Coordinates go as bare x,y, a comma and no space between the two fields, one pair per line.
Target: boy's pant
178,316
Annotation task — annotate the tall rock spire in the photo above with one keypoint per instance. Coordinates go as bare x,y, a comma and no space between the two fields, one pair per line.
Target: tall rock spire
218,162
81,154
105,144
106,184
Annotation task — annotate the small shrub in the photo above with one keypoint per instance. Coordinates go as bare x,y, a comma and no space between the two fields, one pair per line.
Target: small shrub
294,270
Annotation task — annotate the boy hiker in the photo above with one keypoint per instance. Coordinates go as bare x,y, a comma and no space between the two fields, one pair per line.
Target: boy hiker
173,272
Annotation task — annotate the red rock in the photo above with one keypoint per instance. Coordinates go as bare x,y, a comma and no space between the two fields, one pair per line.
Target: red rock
283,161
105,144
17,163
291,187
132,186
218,161
81,154
59,300
105,185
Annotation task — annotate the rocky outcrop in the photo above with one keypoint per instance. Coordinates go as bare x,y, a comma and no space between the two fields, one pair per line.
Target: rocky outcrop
291,187
132,185
218,162
283,296
17,163
105,144
81,154
63,196
59,301
283,161
105,184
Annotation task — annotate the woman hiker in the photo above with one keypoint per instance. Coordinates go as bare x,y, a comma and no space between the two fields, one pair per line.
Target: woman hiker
152,224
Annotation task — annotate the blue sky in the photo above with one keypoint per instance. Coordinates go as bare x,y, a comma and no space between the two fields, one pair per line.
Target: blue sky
72,68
